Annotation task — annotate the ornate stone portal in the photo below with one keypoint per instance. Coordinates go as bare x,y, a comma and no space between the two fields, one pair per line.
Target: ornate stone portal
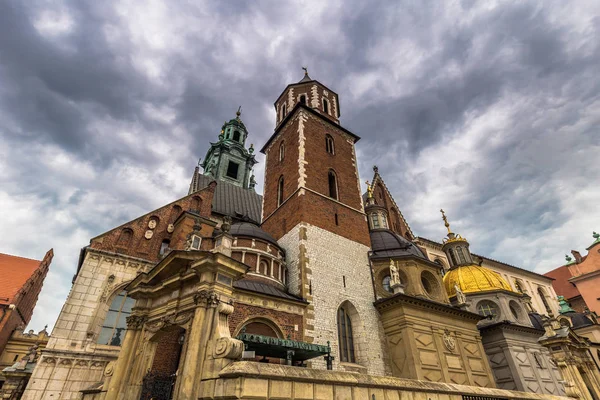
180,320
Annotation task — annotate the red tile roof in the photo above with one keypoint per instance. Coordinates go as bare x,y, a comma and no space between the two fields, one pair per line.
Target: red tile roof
14,272
561,283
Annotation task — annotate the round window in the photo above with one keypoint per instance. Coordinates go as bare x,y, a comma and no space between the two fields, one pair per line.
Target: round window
386,283
429,283
488,309
515,310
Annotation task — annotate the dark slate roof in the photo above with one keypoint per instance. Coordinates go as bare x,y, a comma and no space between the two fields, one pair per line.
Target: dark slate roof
233,200
536,321
249,229
386,243
263,288
578,320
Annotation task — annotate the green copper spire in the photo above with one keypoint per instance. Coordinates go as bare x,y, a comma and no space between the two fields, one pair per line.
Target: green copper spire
228,159
564,306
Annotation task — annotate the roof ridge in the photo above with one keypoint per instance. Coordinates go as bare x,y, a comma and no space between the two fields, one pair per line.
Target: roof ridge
24,258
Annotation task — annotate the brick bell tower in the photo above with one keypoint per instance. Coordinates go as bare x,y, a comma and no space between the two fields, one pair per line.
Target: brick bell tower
313,206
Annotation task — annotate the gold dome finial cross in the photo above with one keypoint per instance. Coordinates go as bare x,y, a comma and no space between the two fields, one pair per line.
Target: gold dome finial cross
445,221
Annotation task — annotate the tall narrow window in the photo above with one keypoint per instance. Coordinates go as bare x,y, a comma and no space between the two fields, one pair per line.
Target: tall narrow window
283,111
346,339
375,220
337,222
461,255
544,300
303,99
115,324
281,151
329,146
333,192
236,136
280,191
325,106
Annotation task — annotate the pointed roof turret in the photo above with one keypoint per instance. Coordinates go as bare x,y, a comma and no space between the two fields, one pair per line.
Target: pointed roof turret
306,78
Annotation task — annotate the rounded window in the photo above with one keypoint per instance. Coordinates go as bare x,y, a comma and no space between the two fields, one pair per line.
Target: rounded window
515,310
488,309
429,283
385,282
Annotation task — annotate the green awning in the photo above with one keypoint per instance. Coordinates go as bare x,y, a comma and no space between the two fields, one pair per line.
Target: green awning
278,348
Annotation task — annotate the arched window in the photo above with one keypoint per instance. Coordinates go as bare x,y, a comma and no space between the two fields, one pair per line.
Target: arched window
280,191
283,111
461,255
281,151
115,325
125,237
518,286
263,268
544,300
333,190
302,99
345,336
329,145
326,106
385,282
195,205
236,136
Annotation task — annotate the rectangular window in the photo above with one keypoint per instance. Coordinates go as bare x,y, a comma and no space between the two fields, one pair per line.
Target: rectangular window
196,240
232,169
375,220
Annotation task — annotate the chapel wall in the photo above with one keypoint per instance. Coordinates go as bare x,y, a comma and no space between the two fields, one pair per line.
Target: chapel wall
72,360
520,363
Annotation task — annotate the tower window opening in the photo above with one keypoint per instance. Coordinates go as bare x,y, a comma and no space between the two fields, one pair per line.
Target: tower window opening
333,192
236,136
344,280
232,169
544,300
280,191
461,255
329,145
303,99
326,106
283,111
281,151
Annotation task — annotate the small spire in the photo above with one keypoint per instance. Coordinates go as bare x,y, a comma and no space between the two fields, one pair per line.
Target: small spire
199,161
239,112
445,221
375,169
306,78
305,71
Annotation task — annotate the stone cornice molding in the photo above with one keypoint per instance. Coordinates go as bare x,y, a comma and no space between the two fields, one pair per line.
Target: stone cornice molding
400,298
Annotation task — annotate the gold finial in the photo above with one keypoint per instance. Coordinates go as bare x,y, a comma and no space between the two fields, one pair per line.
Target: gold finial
445,221
239,111
305,71
369,190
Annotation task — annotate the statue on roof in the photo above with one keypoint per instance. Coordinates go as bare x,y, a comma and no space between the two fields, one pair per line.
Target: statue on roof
369,190
394,274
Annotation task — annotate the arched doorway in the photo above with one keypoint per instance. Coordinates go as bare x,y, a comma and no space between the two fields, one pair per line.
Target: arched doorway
159,382
262,327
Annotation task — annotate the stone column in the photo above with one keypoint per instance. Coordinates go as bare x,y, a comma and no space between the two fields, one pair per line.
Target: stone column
123,365
196,348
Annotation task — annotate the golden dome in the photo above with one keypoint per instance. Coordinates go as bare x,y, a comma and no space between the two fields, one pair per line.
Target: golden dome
473,279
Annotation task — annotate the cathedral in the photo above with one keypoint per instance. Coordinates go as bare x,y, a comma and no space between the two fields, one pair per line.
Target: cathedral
314,290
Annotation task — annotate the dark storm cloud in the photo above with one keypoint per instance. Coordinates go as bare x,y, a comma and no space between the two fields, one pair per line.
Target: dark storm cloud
103,117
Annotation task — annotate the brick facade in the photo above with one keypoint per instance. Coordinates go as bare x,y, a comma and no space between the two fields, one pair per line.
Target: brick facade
285,322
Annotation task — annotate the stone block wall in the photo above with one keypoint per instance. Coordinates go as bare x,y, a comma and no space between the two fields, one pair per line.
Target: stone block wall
72,360
334,270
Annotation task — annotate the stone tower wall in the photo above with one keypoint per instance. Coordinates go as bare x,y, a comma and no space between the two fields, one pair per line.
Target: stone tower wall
331,270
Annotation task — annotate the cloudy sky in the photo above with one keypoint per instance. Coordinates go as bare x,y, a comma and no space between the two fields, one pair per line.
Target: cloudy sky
487,109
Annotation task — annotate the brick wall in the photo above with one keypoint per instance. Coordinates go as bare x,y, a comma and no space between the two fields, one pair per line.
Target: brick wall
286,322
168,350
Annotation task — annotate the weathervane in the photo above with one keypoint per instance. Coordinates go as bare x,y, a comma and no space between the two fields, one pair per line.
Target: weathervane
305,70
